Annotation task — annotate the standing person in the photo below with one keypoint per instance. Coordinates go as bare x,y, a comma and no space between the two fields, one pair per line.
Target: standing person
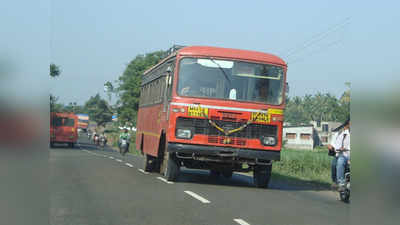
342,147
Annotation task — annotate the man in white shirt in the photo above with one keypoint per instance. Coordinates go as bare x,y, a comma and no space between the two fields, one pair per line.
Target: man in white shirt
335,134
342,147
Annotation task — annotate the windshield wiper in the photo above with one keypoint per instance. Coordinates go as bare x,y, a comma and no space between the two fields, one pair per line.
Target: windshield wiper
223,71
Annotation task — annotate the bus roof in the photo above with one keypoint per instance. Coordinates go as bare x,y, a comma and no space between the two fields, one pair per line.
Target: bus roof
64,114
230,53
223,53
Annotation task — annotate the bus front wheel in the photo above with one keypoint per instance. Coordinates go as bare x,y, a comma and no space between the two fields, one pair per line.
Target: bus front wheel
262,175
172,168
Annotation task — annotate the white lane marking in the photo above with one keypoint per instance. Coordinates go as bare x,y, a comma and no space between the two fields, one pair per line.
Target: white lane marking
118,160
141,170
198,197
163,179
111,157
128,164
241,222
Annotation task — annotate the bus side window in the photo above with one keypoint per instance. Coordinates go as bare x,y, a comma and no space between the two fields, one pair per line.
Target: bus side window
171,79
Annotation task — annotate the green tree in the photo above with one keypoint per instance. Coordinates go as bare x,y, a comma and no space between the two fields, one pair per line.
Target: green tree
55,71
129,85
98,110
344,102
318,107
295,113
109,89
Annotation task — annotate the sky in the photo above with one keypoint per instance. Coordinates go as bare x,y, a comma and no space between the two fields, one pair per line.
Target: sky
325,43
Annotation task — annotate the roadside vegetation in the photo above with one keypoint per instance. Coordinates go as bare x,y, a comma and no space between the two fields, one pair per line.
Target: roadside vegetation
304,166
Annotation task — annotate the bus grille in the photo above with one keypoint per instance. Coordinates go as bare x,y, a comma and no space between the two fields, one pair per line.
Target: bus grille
201,126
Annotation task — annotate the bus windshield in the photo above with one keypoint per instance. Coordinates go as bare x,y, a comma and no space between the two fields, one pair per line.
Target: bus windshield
233,80
63,121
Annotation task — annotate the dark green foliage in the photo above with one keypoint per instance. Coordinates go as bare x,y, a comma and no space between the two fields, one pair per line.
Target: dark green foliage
98,110
319,107
54,106
129,89
54,70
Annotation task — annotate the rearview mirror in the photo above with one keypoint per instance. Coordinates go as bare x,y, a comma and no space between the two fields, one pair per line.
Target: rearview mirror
169,79
287,88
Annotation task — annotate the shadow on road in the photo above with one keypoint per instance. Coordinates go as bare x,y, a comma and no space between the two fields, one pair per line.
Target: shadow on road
278,182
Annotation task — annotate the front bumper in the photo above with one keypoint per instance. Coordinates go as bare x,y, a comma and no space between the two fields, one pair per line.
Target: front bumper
203,150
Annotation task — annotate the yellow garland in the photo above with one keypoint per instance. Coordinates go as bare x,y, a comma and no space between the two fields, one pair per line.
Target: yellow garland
230,131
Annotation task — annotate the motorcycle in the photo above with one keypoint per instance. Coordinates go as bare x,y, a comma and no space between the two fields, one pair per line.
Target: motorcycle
123,147
96,140
345,194
103,142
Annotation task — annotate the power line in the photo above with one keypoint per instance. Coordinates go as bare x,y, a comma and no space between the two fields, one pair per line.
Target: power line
315,52
318,37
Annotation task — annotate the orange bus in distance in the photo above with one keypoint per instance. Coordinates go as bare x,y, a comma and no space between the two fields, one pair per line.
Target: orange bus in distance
63,128
212,108
83,121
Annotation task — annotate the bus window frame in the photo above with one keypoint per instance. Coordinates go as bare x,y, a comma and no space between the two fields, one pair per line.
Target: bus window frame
177,70
149,96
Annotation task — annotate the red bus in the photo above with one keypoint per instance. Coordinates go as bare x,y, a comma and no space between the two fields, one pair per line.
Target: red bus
212,108
63,128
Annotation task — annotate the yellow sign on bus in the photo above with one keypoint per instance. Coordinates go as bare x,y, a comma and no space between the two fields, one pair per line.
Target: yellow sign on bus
197,111
260,117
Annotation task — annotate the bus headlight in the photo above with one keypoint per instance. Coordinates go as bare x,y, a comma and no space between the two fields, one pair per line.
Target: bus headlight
268,140
183,133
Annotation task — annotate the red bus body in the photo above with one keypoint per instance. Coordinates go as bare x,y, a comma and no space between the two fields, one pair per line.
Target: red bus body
156,123
63,128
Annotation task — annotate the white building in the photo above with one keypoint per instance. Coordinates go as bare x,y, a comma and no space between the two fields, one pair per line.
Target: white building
308,136
323,130
298,137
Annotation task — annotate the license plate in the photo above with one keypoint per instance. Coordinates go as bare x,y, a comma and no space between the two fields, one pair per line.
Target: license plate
197,111
262,117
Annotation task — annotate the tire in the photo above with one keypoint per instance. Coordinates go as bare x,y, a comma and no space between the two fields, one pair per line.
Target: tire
214,174
72,145
125,150
148,164
345,196
172,169
262,175
227,174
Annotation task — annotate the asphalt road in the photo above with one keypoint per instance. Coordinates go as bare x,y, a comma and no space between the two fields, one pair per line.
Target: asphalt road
91,186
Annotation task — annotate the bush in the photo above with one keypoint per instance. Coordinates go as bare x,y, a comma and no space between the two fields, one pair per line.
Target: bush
305,165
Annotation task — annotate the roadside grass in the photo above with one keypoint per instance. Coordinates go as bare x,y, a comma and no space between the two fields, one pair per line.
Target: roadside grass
304,166
113,143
